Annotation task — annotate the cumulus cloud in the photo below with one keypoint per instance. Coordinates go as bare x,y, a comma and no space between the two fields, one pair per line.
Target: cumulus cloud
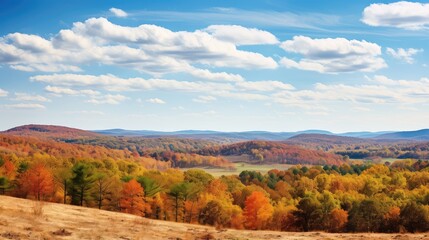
333,55
405,55
379,90
3,93
108,99
145,48
118,12
25,106
30,97
155,101
239,35
403,14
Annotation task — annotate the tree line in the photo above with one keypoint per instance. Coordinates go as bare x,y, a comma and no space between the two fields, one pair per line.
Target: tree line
345,198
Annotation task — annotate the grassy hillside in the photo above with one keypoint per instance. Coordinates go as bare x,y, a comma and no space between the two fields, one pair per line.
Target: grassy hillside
26,219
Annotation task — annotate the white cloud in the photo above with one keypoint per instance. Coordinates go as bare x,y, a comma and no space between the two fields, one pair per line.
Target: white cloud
406,15
3,93
33,67
241,90
379,90
113,83
204,99
108,99
30,53
118,12
239,35
333,55
155,101
206,74
29,97
145,48
61,90
25,106
404,54
264,86
68,91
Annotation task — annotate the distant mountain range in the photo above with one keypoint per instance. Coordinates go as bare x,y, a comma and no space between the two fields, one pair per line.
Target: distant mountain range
420,135
248,135
308,135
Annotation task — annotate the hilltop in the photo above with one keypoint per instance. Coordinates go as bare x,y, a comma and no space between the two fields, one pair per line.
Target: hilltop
26,219
49,131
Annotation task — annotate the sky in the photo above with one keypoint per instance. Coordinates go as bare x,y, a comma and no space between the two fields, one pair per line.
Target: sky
274,65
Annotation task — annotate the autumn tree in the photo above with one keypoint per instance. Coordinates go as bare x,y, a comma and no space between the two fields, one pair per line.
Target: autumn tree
415,217
38,181
392,220
62,178
257,211
4,184
327,204
308,213
214,213
366,216
102,184
8,169
337,220
180,192
283,218
132,198
198,176
150,189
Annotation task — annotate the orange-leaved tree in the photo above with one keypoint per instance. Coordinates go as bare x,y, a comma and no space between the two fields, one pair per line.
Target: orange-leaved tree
337,220
38,181
257,211
132,198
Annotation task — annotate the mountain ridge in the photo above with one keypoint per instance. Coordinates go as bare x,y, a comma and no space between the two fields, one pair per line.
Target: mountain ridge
67,132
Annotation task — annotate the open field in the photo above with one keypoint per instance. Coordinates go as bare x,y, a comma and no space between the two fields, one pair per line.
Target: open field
240,166
26,219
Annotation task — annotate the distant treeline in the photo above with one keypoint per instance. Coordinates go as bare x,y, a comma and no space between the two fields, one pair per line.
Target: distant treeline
401,151
274,152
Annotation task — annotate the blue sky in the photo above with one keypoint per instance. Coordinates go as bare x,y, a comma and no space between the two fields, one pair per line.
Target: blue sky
217,65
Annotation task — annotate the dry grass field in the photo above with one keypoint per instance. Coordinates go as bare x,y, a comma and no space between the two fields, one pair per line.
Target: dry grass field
26,219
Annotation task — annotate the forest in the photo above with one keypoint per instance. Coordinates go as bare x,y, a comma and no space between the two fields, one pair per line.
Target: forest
342,196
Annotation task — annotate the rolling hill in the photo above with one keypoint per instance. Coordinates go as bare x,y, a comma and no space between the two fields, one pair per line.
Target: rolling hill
49,131
321,139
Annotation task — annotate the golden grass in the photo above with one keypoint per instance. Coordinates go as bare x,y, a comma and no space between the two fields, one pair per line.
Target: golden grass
25,219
